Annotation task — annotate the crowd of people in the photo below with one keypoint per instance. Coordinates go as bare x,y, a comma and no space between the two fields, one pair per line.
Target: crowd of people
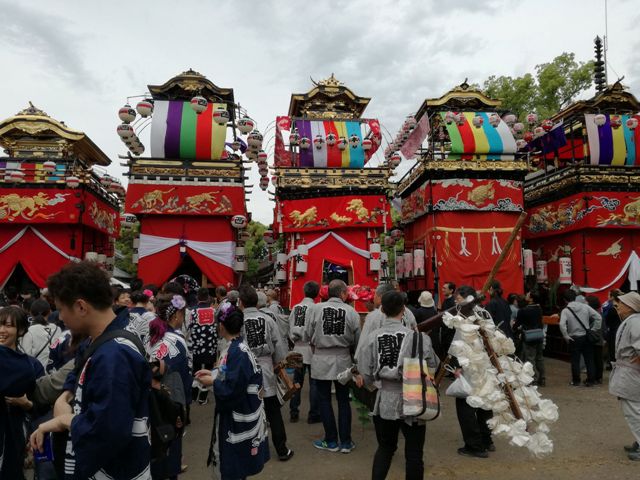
99,382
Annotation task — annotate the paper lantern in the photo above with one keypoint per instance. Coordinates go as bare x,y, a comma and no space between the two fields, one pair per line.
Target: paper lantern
49,166
367,144
343,143
268,237
125,130
528,137
408,264
332,138
137,150
418,262
538,132
518,127
252,153
547,125
199,104
354,141
318,142
294,138
128,220
245,125
541,271
73,182
374,257
494,120
510,119
127,114
449,118
144,108
240,260
564,277
262,156
238,221
395,160
399,266
91,256
459,118
616,121
16,176
305,143
532,119
477,121
263,170
301,258
255,139
274,180
220,115
114,186
236,145
264,183
632,123
281,267
521,144
527,261
600,119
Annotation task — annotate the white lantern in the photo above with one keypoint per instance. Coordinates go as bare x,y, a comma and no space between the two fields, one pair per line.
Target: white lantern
199,104
264,183
255,139
49,166
331,139
396,234
305,143
91,256
538,132
399,266
144,108
418,262
318,142
125,130
73,182
281,267
294,138
301,258
343,143
408,264
367,144
137,150
395,160
268,237
263,170
459,118
532,119
114,186
127,114
449,118
274,180
262,156
240,260
510,119
374,257
600,119
541,271
632,123
518,127
564,277
354,141
477,121
128,220
220,115
245,125
238,221
494,120
252,154
389,241
527,260
521,144
16,176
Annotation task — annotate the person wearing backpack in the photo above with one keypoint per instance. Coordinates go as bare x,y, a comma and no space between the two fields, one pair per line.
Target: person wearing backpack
380,361
106,411
41,333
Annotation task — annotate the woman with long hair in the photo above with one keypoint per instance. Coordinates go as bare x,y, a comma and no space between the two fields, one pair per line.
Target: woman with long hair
167,345
41,334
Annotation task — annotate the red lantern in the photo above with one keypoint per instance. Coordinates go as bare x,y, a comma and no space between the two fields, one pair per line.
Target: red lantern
395,160
16,176
547,125
245,125
305,143
262,156
494,120
294,138
367,144
50,166
331,139
528,137
318,142
616,121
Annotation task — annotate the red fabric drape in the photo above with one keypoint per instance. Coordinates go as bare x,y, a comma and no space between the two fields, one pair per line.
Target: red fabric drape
159,267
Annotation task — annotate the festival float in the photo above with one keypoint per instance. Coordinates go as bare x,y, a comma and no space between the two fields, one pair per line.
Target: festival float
463,198
330,206
54,208
188,193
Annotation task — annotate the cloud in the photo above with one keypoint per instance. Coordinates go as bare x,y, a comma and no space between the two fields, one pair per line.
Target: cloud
43,36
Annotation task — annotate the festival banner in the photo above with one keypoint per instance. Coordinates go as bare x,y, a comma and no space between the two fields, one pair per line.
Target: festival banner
613,144
185,199
466,138
332,213
417,203
597,210
177,131
281,157
478,195
36,205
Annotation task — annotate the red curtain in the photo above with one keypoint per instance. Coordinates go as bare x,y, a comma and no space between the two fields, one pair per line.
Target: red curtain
159,267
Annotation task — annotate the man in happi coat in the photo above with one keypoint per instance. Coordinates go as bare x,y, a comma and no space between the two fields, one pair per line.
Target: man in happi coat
624,381
333,332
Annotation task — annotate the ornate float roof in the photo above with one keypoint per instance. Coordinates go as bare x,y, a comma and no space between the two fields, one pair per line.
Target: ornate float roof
329,98
614,99
188,84
460,98
32,133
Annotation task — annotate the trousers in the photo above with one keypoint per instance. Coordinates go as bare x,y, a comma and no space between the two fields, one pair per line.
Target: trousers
532,352
387,435
631,412
581,347
323,388
276,425
473,424
294,403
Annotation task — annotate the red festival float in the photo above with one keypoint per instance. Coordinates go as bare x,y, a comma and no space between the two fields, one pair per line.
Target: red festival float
330,207
53,207
463,197
189,193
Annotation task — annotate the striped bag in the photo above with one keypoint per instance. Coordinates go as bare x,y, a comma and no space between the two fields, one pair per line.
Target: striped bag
420,397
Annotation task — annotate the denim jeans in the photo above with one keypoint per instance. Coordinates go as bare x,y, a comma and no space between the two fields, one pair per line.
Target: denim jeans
323,388
581,347
294,403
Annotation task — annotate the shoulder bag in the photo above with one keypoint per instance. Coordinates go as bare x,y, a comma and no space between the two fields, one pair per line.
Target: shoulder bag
420,397
593,337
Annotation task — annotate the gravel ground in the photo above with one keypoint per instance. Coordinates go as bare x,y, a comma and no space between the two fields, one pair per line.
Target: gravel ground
588,442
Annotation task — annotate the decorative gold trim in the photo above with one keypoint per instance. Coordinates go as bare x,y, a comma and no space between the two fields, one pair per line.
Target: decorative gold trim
190,83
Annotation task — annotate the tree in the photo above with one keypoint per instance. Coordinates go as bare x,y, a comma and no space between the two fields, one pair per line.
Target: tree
124,245
255,248
555,85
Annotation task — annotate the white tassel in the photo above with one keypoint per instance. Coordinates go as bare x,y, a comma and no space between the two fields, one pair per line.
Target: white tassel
496,249
463,245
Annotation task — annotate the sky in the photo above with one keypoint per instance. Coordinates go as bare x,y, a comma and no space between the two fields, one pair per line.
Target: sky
79,60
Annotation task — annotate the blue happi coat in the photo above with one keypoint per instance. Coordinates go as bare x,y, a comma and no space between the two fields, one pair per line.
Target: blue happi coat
109,436
241,447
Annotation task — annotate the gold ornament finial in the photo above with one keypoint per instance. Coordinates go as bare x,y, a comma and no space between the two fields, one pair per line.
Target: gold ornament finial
32,110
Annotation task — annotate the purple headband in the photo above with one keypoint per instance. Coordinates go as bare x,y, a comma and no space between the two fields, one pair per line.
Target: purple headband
226,309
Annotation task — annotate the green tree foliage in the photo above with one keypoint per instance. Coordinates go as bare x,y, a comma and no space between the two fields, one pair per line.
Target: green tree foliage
124,245
256,248
554,86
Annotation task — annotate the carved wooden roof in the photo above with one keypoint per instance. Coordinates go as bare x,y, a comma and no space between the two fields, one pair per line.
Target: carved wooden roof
328,98
461,98
614,99
188,84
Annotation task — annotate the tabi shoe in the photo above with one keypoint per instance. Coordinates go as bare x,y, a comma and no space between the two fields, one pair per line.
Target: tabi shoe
347,447
329,446
634,447
287,456
294,417
467,452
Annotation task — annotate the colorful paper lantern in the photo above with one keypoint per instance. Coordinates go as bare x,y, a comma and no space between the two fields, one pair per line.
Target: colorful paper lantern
367,144
343,143
532,119
494,120
332,138
547,125
600,119
564,277
418,263
240,260
632,123
510,119
318,142
521,144
528,137
477,121
354,141
255,139
264,183
49,166
245,125
262,156
220,115
527,260
305,143
16,176
294,138
395,160
301,258
541,271
144,108
281,267
449,118
125,130
199,104
538,132
127,114
518,127
616,121
374,257
73,182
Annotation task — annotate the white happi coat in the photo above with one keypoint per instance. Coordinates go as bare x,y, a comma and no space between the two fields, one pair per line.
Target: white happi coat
624,381
298,319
